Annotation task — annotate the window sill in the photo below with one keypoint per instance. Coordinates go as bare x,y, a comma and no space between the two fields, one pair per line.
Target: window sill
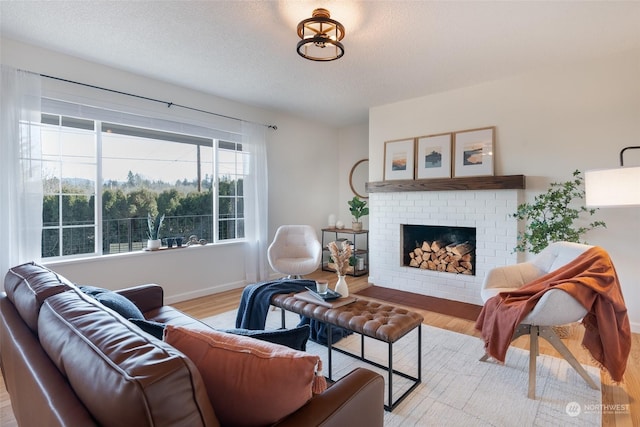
50,263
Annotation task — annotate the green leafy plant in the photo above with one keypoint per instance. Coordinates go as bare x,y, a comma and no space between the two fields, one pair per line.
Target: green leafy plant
154,225
551,216
358,208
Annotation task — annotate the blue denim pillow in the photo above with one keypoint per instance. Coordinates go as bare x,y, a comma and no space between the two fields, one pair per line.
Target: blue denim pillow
114,301
295,338
149,326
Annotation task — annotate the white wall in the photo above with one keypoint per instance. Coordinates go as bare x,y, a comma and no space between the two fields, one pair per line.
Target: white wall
302,174
303,170
183,273
549,123
353,146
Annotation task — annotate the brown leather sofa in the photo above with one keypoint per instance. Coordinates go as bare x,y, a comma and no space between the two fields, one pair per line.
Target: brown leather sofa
67,360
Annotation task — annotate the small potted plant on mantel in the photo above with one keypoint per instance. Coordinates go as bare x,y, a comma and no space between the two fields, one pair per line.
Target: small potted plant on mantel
153,231
358,209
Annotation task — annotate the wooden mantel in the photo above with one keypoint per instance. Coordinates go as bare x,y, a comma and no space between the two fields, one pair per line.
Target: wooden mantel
507,182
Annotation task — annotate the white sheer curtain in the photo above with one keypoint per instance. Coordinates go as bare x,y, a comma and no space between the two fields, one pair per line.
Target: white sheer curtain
256,203
20,168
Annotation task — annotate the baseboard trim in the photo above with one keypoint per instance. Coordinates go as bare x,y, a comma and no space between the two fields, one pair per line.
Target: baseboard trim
184,296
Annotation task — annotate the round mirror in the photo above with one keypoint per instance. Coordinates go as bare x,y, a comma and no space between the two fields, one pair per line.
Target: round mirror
358,177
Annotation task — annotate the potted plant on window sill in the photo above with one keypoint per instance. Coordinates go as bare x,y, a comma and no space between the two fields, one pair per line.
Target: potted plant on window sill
358,209
153,232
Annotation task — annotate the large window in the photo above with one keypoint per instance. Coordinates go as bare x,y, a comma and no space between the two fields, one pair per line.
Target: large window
101,180
230,172
69,174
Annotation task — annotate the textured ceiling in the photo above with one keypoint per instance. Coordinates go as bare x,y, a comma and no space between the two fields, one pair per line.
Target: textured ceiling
395,50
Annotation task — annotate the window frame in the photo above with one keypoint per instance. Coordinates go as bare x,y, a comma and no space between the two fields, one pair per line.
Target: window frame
158,134
65,122
240,155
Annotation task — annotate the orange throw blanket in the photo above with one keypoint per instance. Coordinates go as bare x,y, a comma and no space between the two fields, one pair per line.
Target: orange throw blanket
592,280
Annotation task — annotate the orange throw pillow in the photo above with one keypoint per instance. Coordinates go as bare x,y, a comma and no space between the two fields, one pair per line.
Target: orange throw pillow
249,382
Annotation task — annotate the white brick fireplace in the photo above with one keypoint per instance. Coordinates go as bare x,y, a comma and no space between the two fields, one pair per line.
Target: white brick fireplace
489,211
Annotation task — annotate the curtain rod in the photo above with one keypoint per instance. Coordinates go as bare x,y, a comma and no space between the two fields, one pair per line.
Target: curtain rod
167,103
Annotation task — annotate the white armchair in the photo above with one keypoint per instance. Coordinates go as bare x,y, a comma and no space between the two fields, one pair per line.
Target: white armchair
556,307
295,250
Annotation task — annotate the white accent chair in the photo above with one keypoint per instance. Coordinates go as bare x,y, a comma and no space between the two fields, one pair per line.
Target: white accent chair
556,307
295,251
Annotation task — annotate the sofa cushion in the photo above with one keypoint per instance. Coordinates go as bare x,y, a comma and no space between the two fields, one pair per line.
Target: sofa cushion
121,374
114,301
28,285
242,373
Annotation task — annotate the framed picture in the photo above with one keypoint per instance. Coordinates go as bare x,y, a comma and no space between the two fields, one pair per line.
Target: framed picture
398,159
433,156
474,150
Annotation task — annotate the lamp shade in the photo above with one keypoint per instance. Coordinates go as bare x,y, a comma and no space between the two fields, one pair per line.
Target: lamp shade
612,187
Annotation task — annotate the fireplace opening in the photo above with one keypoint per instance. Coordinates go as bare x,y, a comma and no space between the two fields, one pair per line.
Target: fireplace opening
439,248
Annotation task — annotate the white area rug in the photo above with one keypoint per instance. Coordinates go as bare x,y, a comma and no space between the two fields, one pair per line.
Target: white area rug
459,390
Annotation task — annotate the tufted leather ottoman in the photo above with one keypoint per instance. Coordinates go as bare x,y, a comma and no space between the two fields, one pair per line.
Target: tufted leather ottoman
382,322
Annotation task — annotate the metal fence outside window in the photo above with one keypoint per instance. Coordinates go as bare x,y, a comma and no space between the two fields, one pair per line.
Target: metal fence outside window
125,235
130,234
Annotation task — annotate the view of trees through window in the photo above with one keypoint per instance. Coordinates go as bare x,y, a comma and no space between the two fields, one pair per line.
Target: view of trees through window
125,173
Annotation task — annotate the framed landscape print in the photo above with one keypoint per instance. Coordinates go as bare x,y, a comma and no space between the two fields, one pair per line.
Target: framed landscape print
473,152
398,159
433,156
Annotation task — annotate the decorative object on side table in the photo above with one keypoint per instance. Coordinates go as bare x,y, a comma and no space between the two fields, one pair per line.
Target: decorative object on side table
153,232
341,257
551,215
332,220
358,209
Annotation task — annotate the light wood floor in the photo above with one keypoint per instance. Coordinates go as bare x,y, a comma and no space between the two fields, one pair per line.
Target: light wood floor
625,396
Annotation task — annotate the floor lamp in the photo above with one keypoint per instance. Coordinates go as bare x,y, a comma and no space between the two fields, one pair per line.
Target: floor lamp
613,187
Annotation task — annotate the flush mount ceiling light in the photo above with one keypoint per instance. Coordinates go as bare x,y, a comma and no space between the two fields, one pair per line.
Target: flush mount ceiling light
321,37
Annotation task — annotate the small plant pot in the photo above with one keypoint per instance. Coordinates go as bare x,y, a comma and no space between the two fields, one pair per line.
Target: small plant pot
179,241
154,244
170,242
356,226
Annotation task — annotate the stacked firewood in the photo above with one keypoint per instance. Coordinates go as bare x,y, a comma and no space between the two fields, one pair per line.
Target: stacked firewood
443,256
